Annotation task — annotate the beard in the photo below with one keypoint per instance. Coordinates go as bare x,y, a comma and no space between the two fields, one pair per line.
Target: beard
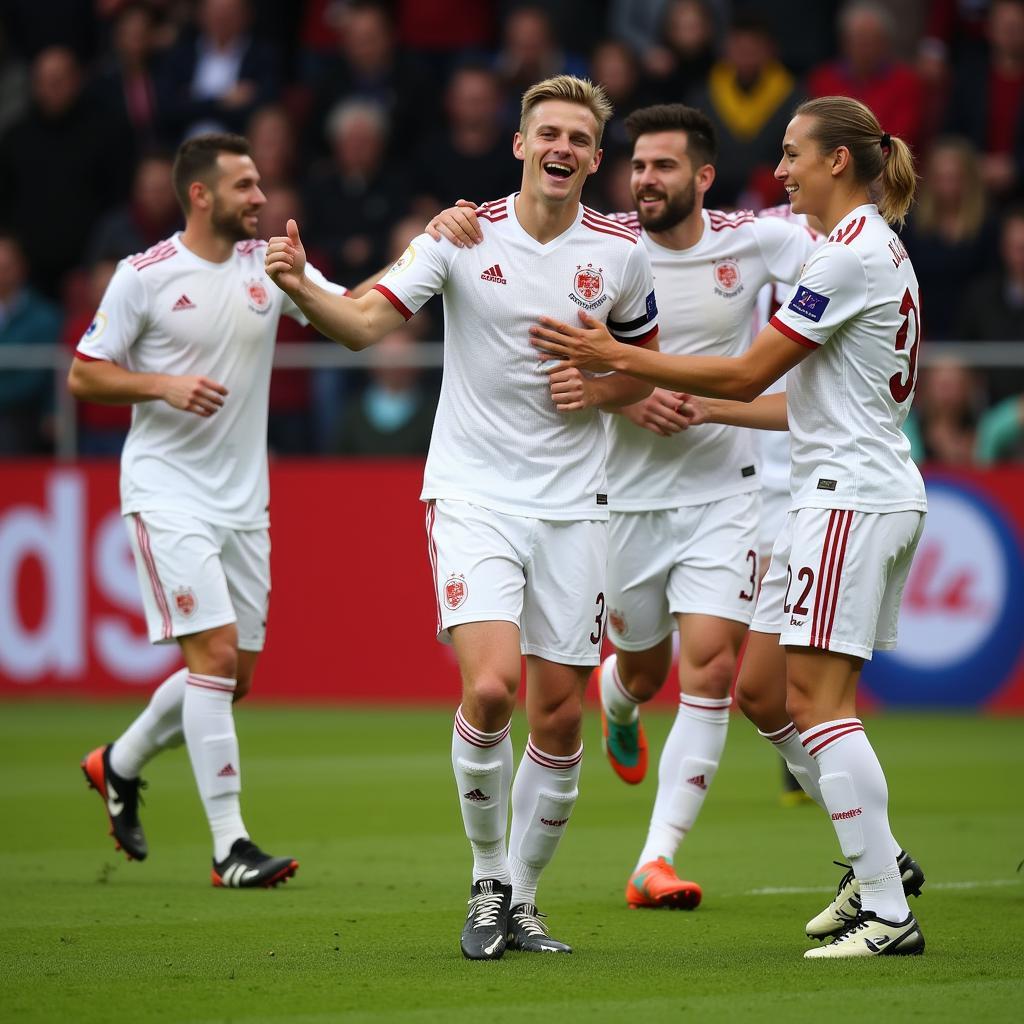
677,209
231,226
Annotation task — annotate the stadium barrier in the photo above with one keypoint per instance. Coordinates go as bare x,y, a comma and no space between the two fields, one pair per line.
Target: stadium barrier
352,615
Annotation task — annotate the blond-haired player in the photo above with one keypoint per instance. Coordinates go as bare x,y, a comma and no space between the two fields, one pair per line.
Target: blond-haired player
850,333
517,502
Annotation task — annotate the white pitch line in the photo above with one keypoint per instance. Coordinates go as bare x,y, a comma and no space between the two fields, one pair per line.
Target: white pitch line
793,890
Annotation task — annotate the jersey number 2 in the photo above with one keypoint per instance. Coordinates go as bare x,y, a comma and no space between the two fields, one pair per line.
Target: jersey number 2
899,388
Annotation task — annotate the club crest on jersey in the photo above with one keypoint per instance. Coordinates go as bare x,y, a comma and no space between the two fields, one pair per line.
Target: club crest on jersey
727,278
618,621
809,304
588,286
185,601
455,591
258,296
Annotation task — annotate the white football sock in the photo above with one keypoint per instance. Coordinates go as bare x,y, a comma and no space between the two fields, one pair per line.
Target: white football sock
857,797
209,726
619,704
543,796
156,729
802,766
482,762
687,766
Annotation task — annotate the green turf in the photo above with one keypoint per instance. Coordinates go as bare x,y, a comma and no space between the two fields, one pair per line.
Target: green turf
368,930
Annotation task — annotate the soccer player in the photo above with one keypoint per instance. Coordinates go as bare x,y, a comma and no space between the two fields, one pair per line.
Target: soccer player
185,334
517,503
850,333
683,532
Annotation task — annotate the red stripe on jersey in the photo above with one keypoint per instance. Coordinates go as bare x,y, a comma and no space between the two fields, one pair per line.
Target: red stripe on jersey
642,340
394,300
492,218
90,359
594,220
616,232
627,220
142,264
155,254
856,231
839,577
796,336
601,217
250,246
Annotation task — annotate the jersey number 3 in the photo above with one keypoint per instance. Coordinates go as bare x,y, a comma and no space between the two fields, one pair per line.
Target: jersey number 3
899,388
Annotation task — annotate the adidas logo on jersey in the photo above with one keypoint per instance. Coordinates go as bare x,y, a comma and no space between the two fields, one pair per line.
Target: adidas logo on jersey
698,781
183,303
494,275
227,772
476,795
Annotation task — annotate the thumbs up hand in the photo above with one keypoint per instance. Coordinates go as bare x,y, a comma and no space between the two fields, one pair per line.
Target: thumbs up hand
285,260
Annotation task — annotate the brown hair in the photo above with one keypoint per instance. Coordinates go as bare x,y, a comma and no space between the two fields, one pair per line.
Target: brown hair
701,138
971,214
196,160
571,90
879,160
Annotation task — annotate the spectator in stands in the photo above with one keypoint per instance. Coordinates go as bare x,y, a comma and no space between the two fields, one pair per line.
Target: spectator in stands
615,67
351,202
369,67
868,71
101,428
444,29
987,102
150,215
61,166
26,318
949,236
13,84
993,309
529,53
125,87
679,63
469,157
272,137
217,75
395,413
1001,433
290,428
750,97
944,420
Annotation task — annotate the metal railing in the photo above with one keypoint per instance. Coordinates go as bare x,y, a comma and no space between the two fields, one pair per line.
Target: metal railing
982,355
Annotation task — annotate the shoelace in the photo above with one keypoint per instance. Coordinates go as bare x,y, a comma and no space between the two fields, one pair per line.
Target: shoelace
132,797
529,921
484,909
846,879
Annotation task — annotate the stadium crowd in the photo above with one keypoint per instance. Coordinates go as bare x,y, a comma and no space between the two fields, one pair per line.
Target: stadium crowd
368,117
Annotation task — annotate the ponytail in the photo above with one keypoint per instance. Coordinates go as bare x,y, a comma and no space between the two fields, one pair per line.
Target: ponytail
882,162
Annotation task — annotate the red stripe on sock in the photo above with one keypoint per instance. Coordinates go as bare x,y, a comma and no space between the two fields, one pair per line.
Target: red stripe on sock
835,736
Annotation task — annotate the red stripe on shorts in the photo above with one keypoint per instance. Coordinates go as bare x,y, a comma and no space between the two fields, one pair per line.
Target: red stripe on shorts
142,536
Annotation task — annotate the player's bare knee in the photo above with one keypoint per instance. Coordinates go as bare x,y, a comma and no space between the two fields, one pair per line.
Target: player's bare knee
712,679
564,720
492,697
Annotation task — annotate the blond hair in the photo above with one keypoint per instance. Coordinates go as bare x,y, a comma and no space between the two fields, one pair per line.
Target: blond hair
971,213
572,90
882,162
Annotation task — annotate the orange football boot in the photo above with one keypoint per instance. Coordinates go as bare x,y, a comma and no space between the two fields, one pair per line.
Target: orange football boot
656,884
626,747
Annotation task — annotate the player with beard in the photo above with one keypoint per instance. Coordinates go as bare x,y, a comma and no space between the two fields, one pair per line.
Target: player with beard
185,334
684,504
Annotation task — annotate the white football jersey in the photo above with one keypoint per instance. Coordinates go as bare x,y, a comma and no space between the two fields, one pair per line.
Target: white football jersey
706,296
498,440
167,310
857,304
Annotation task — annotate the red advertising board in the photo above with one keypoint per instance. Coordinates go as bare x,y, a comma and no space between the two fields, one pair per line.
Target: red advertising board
353,614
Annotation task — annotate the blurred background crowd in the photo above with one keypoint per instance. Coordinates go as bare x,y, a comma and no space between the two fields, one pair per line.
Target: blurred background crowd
368,117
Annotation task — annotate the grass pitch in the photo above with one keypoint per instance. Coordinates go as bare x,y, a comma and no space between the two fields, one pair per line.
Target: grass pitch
368,930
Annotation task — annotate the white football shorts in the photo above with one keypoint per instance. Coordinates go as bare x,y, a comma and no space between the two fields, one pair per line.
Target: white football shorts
836,579
546,576
196,575
699,559
774,509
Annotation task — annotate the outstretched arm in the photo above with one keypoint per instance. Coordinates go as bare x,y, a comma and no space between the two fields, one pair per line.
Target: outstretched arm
741,378
355,322
766,412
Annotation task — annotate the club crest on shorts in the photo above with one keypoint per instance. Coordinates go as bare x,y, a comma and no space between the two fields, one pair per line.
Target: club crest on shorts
727,278
455,591
258,296
588,286
185,601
